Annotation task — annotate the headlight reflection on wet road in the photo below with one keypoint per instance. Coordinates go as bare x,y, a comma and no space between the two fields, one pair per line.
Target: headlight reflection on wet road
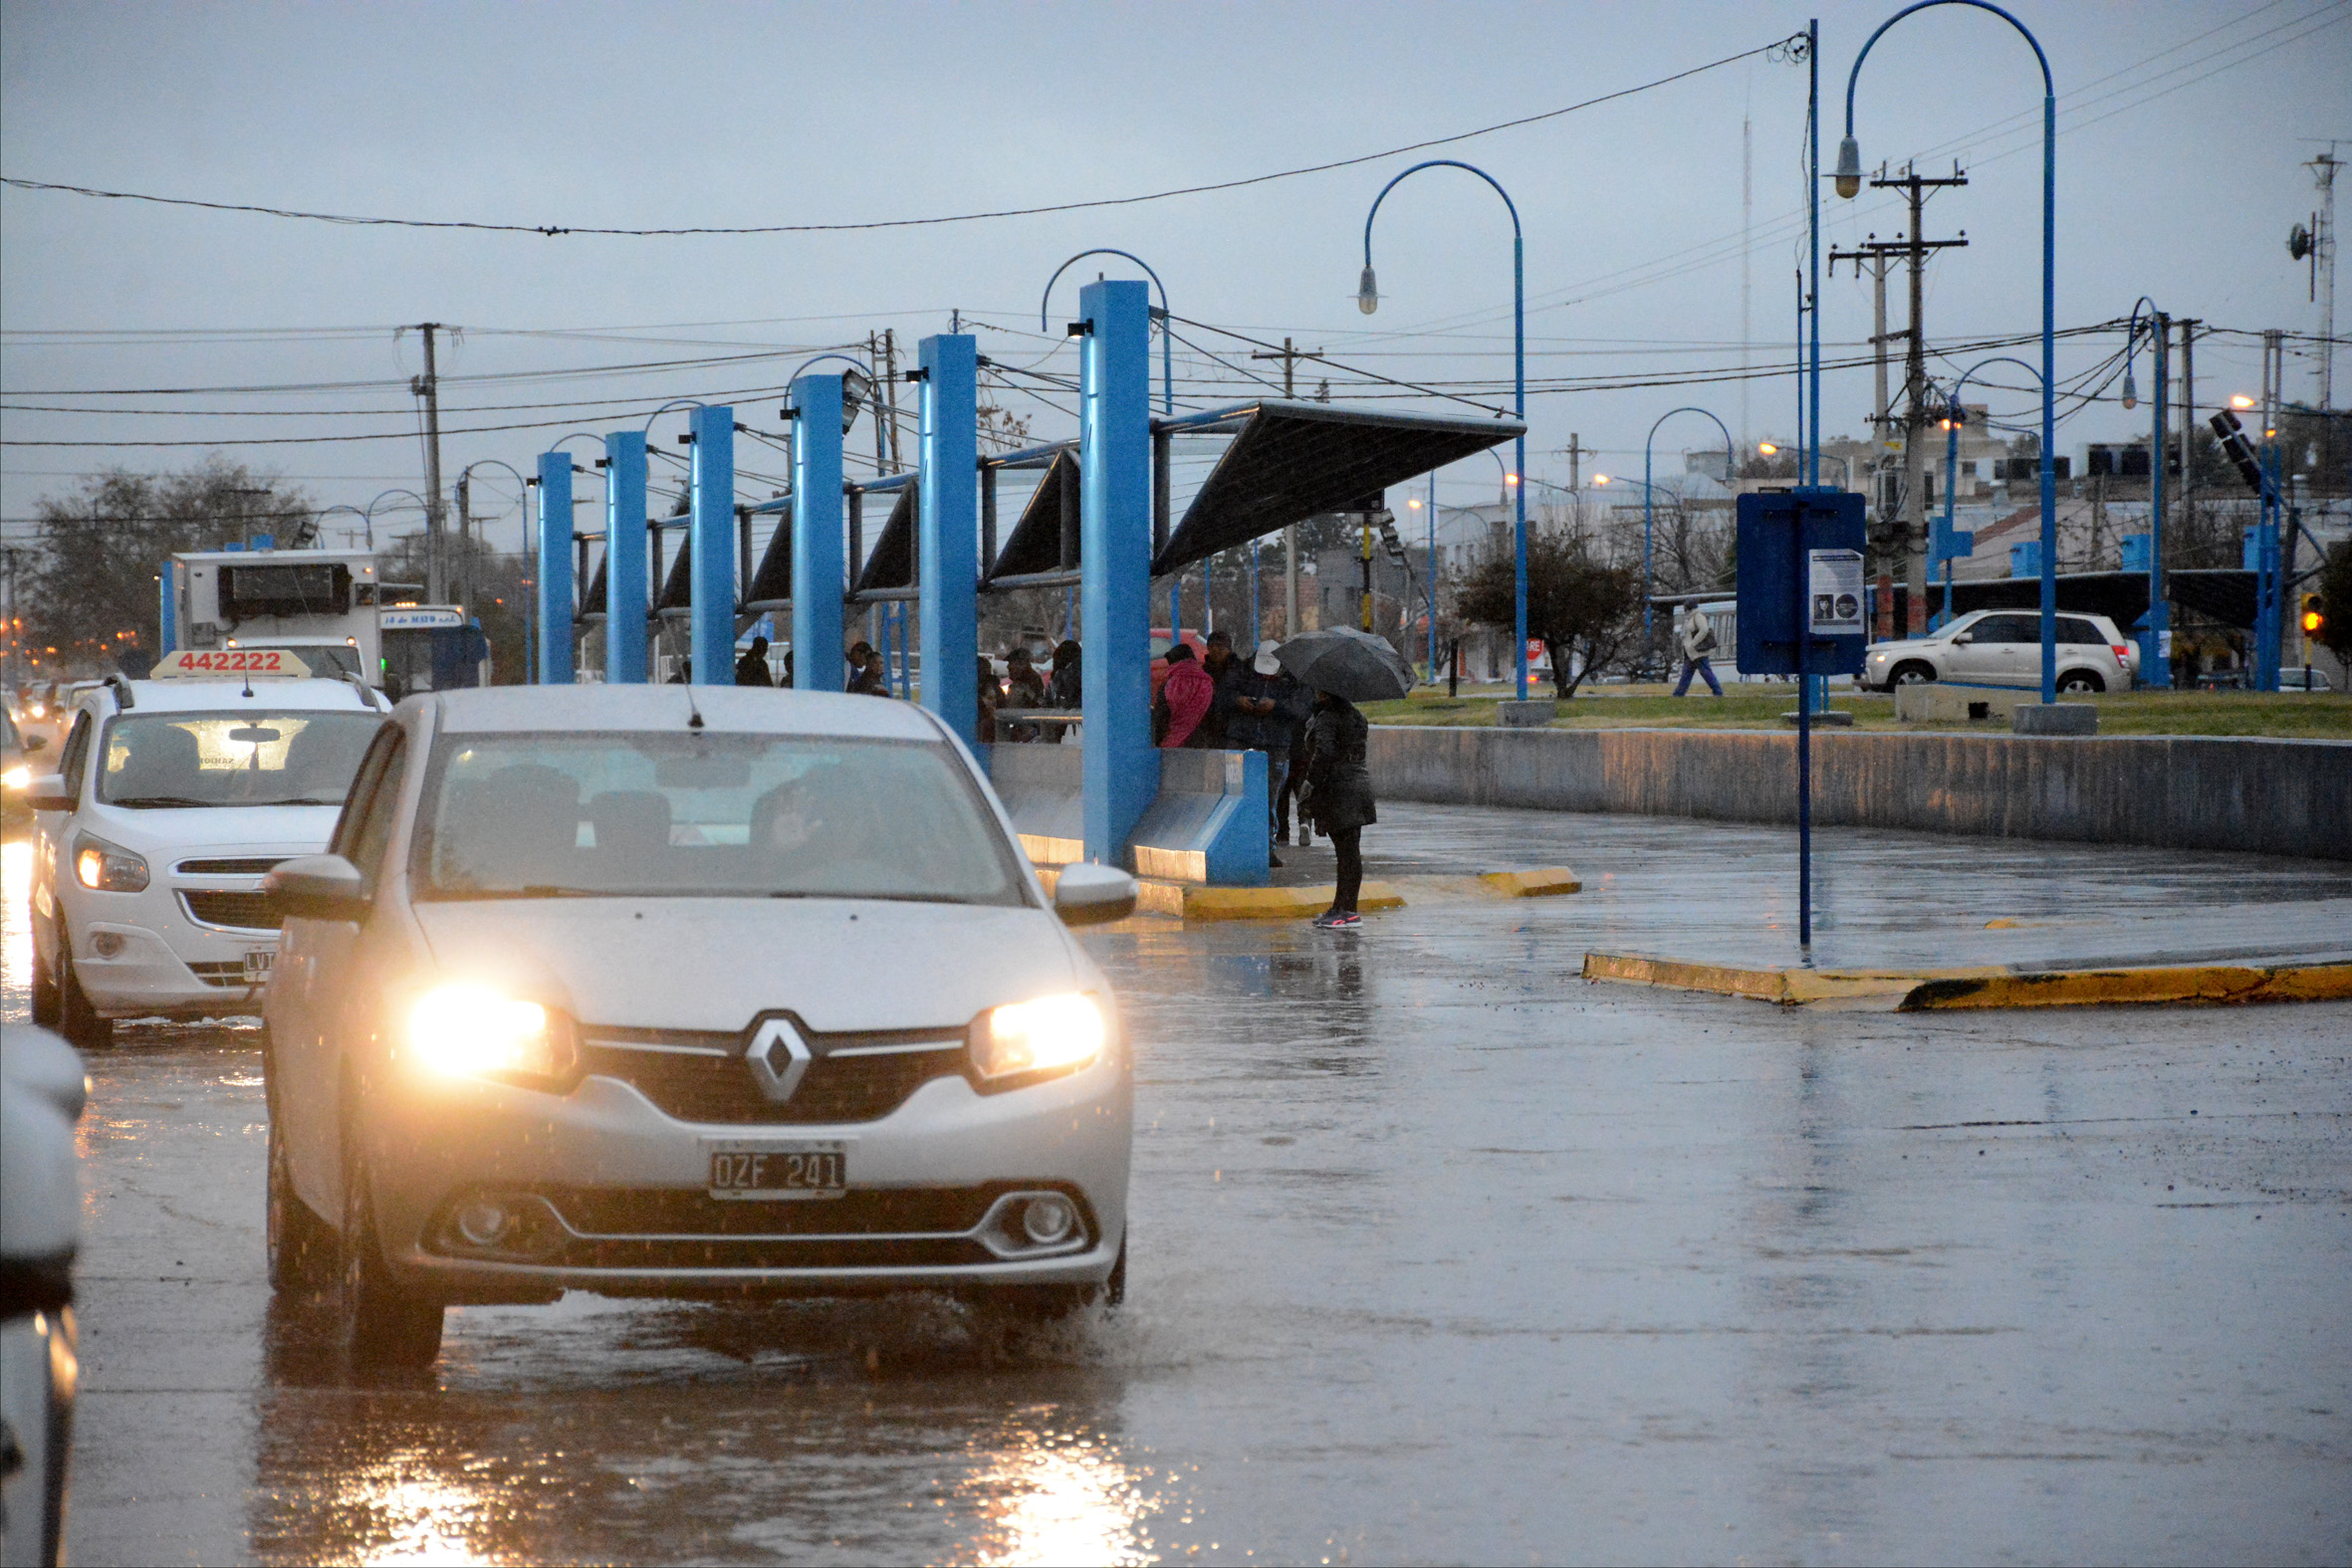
1060,1499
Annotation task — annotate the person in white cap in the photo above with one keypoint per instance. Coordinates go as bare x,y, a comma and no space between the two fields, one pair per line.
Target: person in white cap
1265,707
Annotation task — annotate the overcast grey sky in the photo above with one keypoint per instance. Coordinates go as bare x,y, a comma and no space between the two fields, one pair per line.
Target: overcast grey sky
2184,128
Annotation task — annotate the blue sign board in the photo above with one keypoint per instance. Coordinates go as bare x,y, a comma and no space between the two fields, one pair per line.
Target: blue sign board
1800,576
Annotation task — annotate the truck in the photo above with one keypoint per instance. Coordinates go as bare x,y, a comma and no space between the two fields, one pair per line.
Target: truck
329,608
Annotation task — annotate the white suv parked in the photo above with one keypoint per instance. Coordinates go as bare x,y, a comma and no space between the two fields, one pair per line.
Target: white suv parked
2003,648
172,800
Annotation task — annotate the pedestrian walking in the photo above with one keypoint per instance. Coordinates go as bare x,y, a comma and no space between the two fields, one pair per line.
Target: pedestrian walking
1338,797
1185,699
752,668
1266,708
1696,634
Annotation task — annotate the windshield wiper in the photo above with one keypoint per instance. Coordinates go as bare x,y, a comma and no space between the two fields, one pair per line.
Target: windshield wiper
300,800
150,801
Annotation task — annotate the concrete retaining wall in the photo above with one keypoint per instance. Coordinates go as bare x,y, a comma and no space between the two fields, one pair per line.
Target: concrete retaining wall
2270,797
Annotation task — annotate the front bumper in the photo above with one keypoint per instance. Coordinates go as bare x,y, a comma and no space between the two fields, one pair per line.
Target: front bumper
189,973
618,1191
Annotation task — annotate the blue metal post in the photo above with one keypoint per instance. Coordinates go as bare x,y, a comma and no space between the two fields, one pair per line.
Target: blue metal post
712,625
1813,444
167,622
1121,772
2156,670
1801,630
555,568
948,554
626,598
1433,574
819,571
2269,600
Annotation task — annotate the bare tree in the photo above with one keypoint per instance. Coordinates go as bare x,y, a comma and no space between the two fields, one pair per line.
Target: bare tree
1581,605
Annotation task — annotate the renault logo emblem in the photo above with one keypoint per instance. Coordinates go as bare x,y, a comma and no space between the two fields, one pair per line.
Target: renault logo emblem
777,1057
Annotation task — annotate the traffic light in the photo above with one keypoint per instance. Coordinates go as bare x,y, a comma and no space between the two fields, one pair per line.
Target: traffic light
2237,449
2315,616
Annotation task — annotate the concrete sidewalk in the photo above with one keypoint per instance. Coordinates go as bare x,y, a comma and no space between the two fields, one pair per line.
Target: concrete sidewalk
1726,893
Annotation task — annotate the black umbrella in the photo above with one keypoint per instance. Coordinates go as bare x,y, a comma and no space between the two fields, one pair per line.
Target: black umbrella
1346,663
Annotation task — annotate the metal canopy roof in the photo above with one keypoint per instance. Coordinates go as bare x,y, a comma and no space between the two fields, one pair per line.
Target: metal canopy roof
1290,461
677,587
772,583
591,604
1036,543
892,563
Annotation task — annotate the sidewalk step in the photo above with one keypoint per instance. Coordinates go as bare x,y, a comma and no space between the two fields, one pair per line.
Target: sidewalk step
1986,986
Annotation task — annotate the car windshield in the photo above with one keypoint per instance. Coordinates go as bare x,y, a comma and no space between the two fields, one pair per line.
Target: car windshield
233,758
703,814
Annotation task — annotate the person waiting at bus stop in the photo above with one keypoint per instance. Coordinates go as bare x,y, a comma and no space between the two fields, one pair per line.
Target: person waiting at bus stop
1186,696
1338,797
1696,634
1264,708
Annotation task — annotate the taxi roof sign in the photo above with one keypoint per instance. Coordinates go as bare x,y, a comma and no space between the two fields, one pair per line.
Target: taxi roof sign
221,663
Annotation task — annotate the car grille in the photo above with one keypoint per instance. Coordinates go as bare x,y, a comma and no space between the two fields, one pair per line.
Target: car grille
244,911
251,865
687,1077
230,975
666,1228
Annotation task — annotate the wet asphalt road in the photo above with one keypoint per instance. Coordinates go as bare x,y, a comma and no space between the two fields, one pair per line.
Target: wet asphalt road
1439,1254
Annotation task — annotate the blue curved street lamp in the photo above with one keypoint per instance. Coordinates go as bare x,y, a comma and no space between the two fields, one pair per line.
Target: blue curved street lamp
1850,185
1954,417
2156,670
1648,584
1168,326
345,505
1367,300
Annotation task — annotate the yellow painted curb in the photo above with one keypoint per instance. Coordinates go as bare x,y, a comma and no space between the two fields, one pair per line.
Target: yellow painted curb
1544,883
1919,991
1264,903
2204,983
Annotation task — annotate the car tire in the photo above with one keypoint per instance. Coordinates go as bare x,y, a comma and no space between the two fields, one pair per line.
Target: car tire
385,1328
76,1019
301,1245
1911,672
2080,683
1039,1306
48,999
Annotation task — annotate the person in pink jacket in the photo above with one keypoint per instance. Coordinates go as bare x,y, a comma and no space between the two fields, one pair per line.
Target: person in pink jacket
1185,696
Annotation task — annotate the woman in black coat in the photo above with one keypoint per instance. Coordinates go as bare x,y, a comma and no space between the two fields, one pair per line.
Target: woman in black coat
1338,797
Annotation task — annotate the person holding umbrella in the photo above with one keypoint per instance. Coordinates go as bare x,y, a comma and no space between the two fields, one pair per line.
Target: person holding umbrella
1342,666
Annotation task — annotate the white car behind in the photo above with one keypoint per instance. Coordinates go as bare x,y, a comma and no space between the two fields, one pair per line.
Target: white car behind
2003,648
172,800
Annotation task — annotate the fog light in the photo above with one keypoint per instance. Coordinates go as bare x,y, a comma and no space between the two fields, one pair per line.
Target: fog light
484,1224
106,944
1048,1219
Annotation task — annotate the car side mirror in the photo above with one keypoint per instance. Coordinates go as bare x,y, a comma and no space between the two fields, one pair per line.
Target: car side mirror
1086,894
317,887
48,793
1962,640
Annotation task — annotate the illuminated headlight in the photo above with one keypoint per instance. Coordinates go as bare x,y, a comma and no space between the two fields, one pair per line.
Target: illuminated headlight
1050,1034
108,868
472,1032
17,777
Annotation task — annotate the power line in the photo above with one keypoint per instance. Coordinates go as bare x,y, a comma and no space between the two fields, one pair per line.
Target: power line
555,230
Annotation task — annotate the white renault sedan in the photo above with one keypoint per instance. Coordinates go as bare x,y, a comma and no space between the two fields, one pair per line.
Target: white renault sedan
685,992
170,800
2003,648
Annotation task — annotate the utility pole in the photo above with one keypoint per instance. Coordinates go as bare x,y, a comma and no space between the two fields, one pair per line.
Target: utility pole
1906,532
1290,358
1878,256
428,387
2321,245
462,578
1574,452
1746,231
2187,427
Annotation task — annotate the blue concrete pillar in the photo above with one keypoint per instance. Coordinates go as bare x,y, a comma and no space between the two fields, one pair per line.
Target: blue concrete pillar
947,553
1121,771
555,568
819,571
712,638
625,600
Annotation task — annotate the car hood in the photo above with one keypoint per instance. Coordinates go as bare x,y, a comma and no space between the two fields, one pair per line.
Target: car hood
718,963
247,829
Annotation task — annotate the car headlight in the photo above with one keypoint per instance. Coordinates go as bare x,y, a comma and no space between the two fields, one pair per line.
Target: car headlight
108,868
17,777
1050,1034
474,1032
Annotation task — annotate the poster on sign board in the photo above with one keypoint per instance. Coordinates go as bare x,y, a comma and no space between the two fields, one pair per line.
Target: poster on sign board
1834,591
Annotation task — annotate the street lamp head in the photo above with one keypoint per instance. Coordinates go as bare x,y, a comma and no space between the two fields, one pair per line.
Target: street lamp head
1414,503
1768,449
1849,168
1367,292
1510,478
2131,391
2240,400
1600,479
856,387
